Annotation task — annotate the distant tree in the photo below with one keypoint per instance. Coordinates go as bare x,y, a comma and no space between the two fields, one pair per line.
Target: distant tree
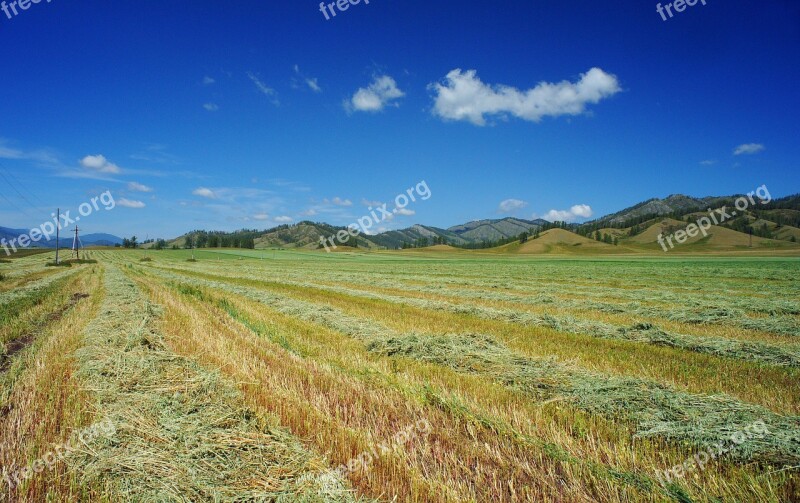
523,238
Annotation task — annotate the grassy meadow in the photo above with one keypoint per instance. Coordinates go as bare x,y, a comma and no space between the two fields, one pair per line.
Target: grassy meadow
420,376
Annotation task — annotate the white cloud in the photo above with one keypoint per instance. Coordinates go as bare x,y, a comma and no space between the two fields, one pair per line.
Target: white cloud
138,187
208,80
99,164
511,205
264,89
261,217
577,211
204,192
464,97
405,212
311,82
10,153
749,149
338,201
375,204
309,212
127,203
211,107
314,85
284,219
382,92
708,162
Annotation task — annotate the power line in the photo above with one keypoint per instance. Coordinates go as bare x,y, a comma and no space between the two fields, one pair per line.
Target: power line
3,169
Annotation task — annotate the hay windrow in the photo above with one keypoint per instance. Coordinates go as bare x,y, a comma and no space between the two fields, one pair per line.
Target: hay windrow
761,352
728,310
655,410
34,287
181,431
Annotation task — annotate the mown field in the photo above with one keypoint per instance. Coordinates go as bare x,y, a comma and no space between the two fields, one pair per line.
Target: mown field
295,376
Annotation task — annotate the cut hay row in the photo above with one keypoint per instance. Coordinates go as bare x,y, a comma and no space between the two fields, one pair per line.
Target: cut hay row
783,355
771,354
657,410
41,406
181,433
347,403
678,295
728,310
22,319
688,311
35,286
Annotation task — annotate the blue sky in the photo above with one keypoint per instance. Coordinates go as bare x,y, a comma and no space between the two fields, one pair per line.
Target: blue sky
225,115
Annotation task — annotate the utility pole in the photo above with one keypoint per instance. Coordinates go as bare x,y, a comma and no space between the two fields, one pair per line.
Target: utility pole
76,244
58,226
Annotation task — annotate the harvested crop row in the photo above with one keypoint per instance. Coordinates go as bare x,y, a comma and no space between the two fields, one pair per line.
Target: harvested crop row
340,409
181,432
641,332
24,317
700,417
35,286
41,404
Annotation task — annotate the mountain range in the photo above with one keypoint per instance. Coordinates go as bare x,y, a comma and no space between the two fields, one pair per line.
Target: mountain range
772,223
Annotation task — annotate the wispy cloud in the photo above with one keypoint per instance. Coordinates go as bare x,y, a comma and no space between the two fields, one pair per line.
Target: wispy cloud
311,82
138,187
204,192
708,162
749,149
211,107
127,203
284,219
338,201
264,89
382,92
511,205
462,96
207,81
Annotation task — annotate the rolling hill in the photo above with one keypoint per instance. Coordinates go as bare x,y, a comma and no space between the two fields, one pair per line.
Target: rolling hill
775,225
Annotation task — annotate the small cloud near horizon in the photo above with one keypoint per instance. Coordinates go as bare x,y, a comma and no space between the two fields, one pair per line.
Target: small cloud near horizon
749,149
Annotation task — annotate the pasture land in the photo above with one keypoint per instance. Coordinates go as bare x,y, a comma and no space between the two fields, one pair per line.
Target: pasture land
300,376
